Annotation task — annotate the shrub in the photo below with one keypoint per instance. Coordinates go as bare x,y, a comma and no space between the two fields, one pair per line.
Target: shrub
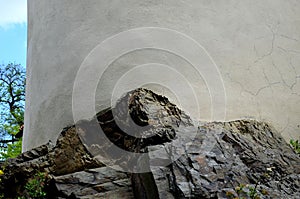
295,145
34,188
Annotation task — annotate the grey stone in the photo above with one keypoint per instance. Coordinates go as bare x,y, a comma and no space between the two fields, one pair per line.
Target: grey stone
207,161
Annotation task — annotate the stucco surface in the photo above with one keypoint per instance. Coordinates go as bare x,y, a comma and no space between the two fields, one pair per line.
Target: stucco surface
253,45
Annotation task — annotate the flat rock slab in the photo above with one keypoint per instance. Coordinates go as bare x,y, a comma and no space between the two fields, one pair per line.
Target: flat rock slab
101,182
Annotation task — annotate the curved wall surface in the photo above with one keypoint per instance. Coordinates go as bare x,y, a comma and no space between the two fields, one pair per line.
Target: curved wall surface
208,56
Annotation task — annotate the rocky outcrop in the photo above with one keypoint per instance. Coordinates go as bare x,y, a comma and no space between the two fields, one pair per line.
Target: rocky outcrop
237,153
146,147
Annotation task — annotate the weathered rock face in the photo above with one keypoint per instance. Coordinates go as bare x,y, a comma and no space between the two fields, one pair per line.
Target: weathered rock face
237,152
180,159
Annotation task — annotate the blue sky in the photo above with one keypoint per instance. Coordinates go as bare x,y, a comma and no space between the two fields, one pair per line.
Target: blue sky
13,31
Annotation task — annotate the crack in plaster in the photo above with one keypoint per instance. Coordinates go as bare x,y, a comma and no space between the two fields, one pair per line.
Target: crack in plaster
272,44
290,38
269,85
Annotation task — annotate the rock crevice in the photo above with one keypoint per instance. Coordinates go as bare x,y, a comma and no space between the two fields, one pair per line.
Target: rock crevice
146,147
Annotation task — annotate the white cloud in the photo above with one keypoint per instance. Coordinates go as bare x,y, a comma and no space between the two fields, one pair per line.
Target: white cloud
12,12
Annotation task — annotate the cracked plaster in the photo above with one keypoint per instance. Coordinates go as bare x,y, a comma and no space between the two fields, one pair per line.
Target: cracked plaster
255,44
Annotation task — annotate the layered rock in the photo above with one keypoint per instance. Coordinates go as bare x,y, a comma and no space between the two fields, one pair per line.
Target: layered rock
235,153
146,147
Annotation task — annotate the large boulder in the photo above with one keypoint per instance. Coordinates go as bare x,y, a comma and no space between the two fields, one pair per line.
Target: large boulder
146,147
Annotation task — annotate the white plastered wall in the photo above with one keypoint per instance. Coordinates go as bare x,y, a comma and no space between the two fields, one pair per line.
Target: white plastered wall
254,44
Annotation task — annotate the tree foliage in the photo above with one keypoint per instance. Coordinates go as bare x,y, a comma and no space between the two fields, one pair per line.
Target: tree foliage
12,97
